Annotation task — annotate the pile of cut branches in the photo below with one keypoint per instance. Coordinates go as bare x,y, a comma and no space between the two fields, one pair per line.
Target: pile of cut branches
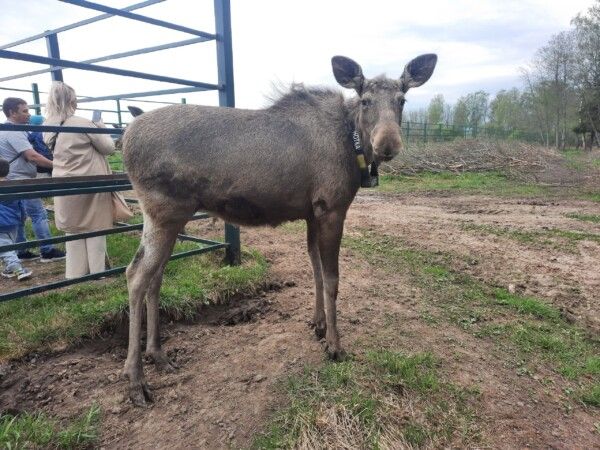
517,160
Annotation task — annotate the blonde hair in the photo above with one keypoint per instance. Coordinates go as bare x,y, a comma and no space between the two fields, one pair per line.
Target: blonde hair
62,102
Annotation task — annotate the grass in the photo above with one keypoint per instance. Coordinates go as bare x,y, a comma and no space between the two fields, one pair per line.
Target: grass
551,237
492,183
484,183
63,317
594,218
375,400
116,161
39,431
533,329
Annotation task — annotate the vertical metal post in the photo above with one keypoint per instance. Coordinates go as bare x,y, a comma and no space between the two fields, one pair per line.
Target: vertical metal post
183,101
407,130
226,98
119,118
36,98
425,132
54,52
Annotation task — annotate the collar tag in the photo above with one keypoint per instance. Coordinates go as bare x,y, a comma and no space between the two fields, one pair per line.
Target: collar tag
357,144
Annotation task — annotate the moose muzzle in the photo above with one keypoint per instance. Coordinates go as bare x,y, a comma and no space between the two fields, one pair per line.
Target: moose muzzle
386,141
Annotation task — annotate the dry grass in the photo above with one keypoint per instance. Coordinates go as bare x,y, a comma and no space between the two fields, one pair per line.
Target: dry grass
517,160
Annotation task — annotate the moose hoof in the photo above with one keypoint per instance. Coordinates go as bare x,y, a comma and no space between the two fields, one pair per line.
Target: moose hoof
140,394
336,354
320,329
163,363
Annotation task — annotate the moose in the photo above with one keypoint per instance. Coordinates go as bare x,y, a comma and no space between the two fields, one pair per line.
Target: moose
294,160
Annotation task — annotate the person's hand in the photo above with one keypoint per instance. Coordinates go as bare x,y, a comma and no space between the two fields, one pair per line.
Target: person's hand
100,124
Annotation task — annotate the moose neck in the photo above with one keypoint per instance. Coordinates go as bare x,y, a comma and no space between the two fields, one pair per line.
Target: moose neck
352,107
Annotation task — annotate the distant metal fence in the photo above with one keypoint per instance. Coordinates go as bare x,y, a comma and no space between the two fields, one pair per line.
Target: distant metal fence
11,190
426,132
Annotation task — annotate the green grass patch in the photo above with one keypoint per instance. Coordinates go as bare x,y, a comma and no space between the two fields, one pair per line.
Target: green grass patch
529,326
591,395
115,162
594,218
491,183
552,237
65,316
527,305
373,401
298,226
39,431
591,196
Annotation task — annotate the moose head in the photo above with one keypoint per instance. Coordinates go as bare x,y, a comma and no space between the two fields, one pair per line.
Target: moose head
378,108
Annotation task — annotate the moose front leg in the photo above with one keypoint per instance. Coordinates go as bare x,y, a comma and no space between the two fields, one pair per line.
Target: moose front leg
319,321
330,229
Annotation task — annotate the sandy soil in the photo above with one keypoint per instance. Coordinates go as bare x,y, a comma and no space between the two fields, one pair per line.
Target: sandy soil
232,360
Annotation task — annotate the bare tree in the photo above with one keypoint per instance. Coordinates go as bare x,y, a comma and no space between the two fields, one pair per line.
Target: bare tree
587,76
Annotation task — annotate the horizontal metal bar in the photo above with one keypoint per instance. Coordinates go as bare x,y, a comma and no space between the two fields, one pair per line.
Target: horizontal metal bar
110,57
146,94
96,109
37,184
139,17
150,101
63,192
59,239
16,90
198,251
121,227
185,237
56,128
7,54
78,24
96,276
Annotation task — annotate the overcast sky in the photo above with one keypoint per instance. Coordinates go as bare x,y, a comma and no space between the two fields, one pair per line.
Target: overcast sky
481,44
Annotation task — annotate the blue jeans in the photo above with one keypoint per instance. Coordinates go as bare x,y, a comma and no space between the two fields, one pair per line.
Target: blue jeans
39,219
11,262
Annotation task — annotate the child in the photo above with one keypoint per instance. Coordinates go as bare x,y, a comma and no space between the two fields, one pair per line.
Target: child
12,214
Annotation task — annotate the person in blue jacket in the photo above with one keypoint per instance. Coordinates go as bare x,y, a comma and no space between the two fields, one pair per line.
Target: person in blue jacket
37,142
12,214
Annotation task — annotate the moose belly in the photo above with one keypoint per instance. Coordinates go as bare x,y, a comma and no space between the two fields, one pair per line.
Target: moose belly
255,210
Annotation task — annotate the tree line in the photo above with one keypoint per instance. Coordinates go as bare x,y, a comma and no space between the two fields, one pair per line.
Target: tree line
559,99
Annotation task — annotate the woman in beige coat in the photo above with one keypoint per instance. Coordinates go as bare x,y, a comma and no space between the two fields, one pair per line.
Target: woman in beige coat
78,154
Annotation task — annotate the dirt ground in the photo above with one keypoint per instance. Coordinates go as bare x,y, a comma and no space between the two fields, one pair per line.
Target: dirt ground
226,388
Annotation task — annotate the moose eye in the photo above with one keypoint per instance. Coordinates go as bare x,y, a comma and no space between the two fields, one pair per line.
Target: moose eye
402,101
365,102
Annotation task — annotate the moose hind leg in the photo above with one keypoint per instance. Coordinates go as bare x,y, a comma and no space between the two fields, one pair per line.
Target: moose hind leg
319,321
153,347
331,228
153,250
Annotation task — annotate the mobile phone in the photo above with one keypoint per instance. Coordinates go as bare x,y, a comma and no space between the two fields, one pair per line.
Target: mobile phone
96,115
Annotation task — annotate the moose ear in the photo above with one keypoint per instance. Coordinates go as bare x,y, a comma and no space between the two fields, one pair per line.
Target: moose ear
348,73
135,111
418,71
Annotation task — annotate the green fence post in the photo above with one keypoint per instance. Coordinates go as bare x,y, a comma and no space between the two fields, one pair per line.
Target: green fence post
36,98
183,101
119,118
233,253
407,130
425,132
440,132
